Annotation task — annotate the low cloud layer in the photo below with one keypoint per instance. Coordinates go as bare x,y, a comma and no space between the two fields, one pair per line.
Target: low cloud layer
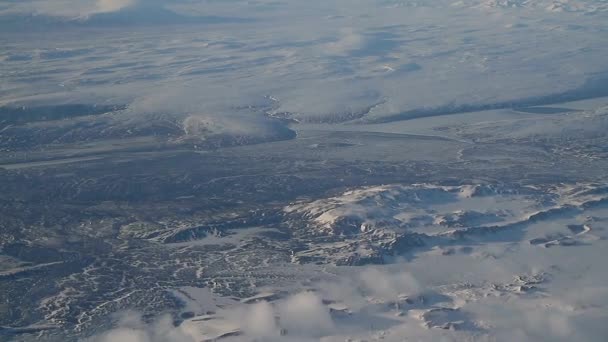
304,316
300,317
368,300
131,328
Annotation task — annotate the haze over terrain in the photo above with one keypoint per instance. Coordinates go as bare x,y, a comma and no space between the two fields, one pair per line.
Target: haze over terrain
284,170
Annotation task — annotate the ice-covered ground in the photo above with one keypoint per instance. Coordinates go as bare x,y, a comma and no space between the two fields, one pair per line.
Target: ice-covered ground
307,61
539,276
341,170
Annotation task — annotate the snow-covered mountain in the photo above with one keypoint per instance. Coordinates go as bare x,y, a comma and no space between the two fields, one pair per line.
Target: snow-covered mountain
110,14
324,170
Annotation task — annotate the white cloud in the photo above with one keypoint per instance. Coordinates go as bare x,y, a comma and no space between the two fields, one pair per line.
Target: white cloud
132,329
389,286
125,335
305,315
302,316
348,41
256,320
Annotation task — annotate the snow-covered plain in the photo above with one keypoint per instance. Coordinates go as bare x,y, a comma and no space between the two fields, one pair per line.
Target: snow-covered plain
341,170
308,61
